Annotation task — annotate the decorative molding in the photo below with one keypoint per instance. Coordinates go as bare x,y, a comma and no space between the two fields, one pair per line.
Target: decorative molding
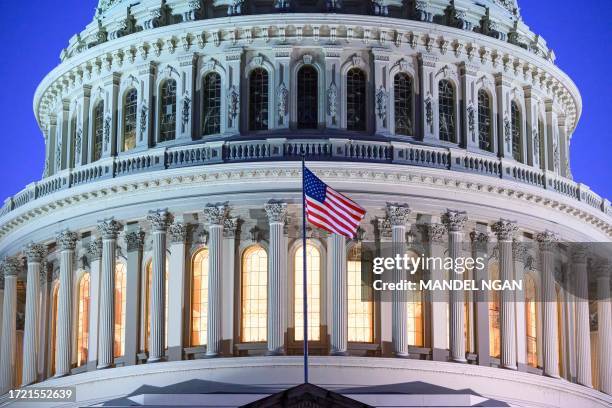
134,240
178,232
11,266
159,220
94,249
398,214
35,253
276,212
547,240
454,220
480,240
67,240
230,227
109,228
505,230
215,214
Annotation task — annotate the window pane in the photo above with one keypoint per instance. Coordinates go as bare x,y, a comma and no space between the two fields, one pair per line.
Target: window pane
120,299
199,302
446,113
211,116
313,260
167,114
254,294
494,323
258,100
54,327
308,98
516,132
98,131
403,104
83,321
129,119
484,121
356,100
360,313
531,321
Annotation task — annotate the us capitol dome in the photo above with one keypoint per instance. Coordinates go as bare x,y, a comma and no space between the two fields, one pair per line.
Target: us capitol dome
159,257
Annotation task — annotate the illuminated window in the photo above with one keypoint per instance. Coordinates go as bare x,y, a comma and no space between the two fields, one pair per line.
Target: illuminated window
313,259
254,294
446,111
149,272
531,316
414,306
98,131
360,312
308,97
199,298
258,100
402,89
83,320
211,117
55,306
130,107
485,127
120,300
494,324
356,100
167,113
517,148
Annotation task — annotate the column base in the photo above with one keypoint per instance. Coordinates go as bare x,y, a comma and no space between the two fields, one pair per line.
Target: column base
509,367
339,353
272,353
458,360
557,376
212,355
104,366
401,355
155,360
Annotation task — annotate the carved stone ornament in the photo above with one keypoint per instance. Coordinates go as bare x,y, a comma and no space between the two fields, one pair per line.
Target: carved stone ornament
381,103
383,225
94,249
159,219
186,109
109,229
435,232
11,266
480,240
536,142
454,220
507,131
519,251
547,240
67,240
277,212
230,227
579,253
283,100
215,214
178,232
429,111
233,103
134,240
505,230
398,214
332,100
78,141
144,109
107,130
471,120
35,252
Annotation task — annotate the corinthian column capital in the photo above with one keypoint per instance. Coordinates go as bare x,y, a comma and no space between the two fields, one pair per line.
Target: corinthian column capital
505,230
35,252
109,228
134,240
94,249
178,232
67,240
547,240
454,220
159,220
480,240
434,232
215,214
398,214
579,253
11,266
277,212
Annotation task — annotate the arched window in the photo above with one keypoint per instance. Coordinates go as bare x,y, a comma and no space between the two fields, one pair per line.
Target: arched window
517,137
130,108
258,99
167,112
313,259
402,89
149,274
120,301
356,100
308,97
254,295
414,308
446,111
73,134
199,298
485,127
494,322
83,320
98,131
211,113
53,340
360,312
531,321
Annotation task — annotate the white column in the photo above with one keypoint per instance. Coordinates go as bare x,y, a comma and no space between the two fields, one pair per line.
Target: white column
63,358
604,320
214,215
176,290
339,313
43,319
277,215
455,221
134,239
108,229
157,307
34,253
480,249
94,250
519,255
437,299
505,231
583,329
10,269
398,218
550,347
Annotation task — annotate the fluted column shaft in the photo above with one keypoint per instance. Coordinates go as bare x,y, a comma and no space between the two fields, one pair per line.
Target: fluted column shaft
455,222
157,298
9,316
108,229
339,329
276,337
215,216
63,356
604,320
30,350
550,348
583,329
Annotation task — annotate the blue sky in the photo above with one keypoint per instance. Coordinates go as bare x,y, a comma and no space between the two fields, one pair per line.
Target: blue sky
33,33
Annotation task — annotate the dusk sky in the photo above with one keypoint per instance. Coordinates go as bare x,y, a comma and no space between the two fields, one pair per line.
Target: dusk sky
34,32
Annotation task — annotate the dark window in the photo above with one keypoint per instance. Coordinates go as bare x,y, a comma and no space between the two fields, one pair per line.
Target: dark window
446,113
167,114
98,131
211,115
356,100
403,104
515,116
484,121
258,100
130,107
308,98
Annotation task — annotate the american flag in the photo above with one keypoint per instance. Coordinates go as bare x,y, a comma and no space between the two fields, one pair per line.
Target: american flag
329,210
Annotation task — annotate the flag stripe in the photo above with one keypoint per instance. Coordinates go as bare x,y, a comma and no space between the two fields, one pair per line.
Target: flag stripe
340,212
348,203
320,211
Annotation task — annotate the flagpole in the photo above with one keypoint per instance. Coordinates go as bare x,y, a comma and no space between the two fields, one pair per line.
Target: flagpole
304,270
